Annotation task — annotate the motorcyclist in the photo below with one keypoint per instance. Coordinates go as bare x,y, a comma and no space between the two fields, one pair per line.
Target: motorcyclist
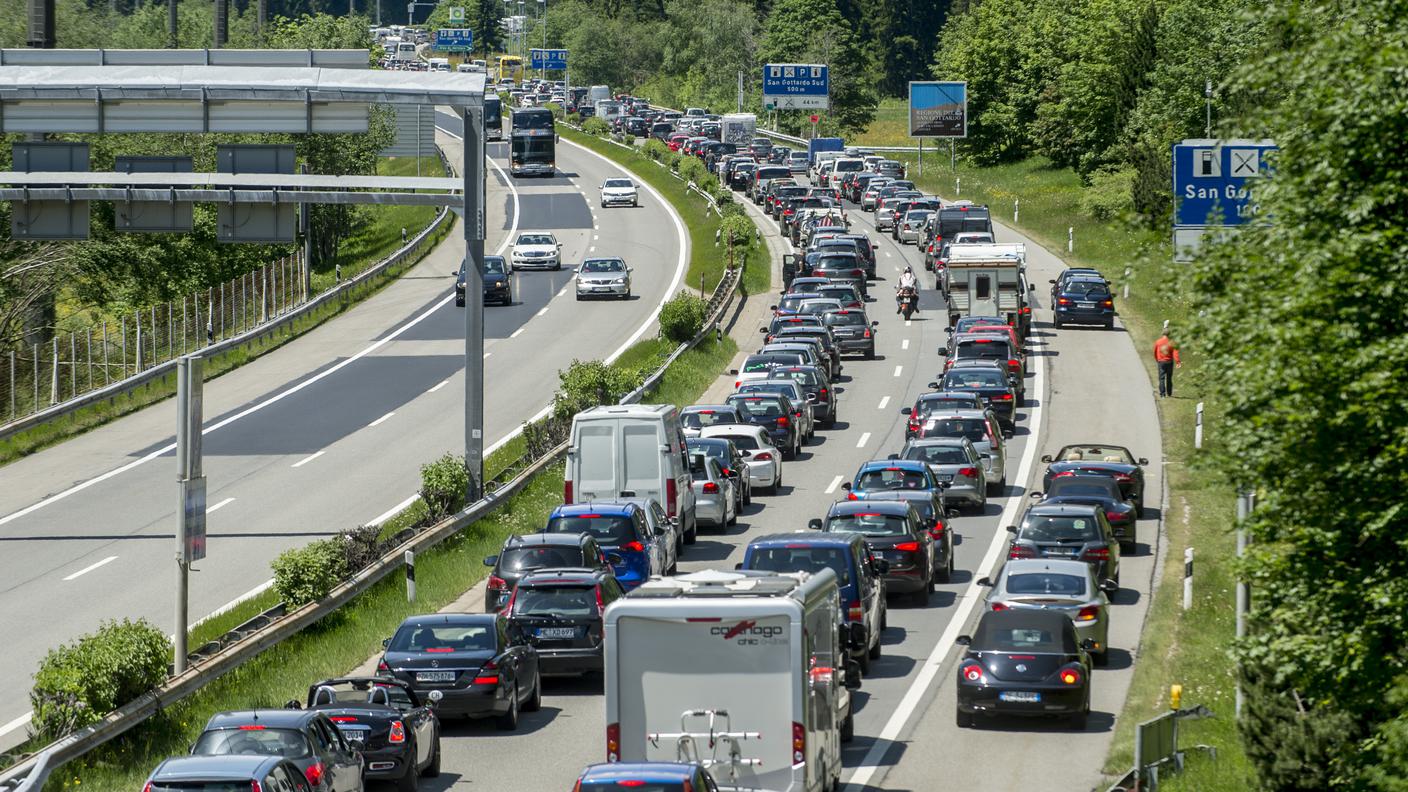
908,280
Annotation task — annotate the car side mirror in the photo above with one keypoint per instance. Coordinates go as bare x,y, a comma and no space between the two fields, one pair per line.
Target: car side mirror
943,350
772,307
846,486
733,372
1109,586
952,512
1052,282
933,385
906,410
1143,461
658,531
964,640
1011,529
1046,458
984,581
893,456
763,330
814,524
385,643
614,558
739,565
1034,494
490,560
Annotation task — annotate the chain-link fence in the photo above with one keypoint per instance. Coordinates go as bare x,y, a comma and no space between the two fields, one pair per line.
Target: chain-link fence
73,362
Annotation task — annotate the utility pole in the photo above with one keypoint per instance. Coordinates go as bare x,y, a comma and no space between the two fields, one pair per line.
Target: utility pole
171,29
473,224
1207,95
740,90
190,510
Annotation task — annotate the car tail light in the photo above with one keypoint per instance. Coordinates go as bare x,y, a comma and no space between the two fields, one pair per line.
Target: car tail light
908,547
763,457
148,787
253,786
1014,363
497,583
343,719
315,773
1063,301
1096,554
998,606
671,496
1021,551
630,782
567,491
1123,477
867,332
783,421
600,603
799,743
1108,303
913,425
252,728
635,547
613,742
973,672
1070,676
488,674
968,471
854,611
822,393
1003,397
1088,613
382,667
711,488
398,733
852,496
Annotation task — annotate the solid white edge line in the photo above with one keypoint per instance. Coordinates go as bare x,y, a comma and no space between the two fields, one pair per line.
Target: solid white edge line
90,568
380,420
864,438
919,689
836,482
166,449
222,504
884,402
519,331
307,459
17,723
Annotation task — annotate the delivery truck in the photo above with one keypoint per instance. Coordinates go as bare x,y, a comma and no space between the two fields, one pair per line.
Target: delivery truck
817,145
738,129
744,671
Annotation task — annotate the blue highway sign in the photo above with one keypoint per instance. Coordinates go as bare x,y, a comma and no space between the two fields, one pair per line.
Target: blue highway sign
453,40
796,86
554,59
1210,181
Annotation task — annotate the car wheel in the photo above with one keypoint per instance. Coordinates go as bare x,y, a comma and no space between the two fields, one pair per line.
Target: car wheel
948,567
1110,325
874,652
870,353
627,295
409,780
432,770
557,265
964,720
535,702
692,535
865,663
509,720
1056,321
733,518
579,296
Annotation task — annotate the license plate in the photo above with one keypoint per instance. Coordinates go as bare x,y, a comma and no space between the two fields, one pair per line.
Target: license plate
557,632
944,477
1020,696
356,735
601,288
1062,551
435,676
1085,305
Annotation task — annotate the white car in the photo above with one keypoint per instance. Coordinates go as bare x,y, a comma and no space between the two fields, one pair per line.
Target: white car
604,277
763,459
537,250
620,191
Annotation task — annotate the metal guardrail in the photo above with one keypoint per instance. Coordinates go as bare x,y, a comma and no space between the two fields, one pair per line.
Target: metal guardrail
129,384
803,142
274,626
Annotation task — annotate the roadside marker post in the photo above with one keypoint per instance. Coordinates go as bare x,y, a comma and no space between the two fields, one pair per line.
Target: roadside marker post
410,576
1188,579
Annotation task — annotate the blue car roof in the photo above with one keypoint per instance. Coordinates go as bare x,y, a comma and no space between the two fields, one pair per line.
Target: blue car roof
644,771
898,464
810,538
615,509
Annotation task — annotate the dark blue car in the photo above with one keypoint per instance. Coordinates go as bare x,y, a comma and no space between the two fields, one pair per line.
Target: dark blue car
1084,301
620,529
859,575
880,476
653,776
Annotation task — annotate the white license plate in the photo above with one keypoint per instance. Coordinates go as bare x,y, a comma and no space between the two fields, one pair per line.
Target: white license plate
601,288
557,632
1020,696
1085,305
435,676
944,477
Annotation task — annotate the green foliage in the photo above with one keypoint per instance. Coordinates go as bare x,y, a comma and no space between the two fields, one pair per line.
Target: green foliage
737,228
682,317
573,118
656,150
591,384
1109,196
813,31
443,484
79,683
306,574
596,126
1307,315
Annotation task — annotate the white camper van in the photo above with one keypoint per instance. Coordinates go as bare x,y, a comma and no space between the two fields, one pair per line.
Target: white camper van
743,671
631,451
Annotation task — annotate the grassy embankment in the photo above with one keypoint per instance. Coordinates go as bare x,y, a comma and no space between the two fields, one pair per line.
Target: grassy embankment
369,244
1188,648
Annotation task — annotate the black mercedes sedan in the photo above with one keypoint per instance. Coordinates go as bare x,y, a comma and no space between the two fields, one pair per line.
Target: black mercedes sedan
1024,662
470,660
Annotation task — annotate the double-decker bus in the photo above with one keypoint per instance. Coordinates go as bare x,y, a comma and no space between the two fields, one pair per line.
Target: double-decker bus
533,142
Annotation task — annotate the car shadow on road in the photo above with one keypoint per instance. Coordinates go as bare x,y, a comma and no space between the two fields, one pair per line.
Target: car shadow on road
1141,548
891,667
1097,722
446,780
528,723
1151,513
586,685
1116,660
705,550
1126,596
893,635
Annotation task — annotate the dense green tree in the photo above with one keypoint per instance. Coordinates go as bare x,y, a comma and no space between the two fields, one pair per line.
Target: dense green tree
903,34
1304,321
813,31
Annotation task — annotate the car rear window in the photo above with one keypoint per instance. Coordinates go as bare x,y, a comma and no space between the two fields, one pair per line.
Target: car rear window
1019,639
745,442
606,529
961,379
842,293
633,785
764,362
964,402
808,378
703,418
555,600
975,429
523,559
443,638
845,319
759,408
981,350
836,262
1081,489
1046,583
868,524
1059,528
252,740
801,558
891,479
938,454
199,786
1087,287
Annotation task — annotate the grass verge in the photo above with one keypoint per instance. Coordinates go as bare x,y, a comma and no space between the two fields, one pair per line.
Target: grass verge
1188,648
347,638
94,415
706,259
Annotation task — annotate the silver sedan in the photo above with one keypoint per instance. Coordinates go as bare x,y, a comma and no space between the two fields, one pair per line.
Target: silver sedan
1069,587
715,503
956,464
604,277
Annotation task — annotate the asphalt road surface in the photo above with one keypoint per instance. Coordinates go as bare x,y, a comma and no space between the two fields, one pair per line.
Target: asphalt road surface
322,435
1085,385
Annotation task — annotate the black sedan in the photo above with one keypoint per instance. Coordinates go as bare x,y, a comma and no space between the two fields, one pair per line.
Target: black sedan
1099,491
1024,662
395,728
470,660
1084,301
893,531
498,284
1077,532
934,514
524,553
305,737
1100,460
987,380
558,612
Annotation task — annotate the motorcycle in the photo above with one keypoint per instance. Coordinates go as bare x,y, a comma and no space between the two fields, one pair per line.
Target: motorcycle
907,298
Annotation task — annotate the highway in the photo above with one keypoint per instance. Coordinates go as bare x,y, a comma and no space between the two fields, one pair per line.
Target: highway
323,434
1085,385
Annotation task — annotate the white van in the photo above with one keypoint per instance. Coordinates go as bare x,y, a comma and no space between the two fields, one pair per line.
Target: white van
440,64
631,451
746,671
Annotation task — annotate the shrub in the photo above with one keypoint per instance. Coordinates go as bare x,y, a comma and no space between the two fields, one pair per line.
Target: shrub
656,150
693,170
737,229
682,317
78,684
596,126
574,119
306,574
589,384
443,484
1110,195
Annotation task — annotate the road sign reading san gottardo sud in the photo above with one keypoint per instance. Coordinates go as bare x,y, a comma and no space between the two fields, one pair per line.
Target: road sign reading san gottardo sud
796,86
938,109
1212,182
453,40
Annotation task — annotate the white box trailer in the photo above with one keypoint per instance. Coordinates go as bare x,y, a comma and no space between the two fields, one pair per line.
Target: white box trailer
987,280
743,671
738,129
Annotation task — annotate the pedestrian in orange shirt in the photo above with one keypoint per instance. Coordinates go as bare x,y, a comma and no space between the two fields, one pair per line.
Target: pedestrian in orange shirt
1166,355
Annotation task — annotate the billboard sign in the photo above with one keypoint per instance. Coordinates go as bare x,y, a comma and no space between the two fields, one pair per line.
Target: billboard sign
938,109
453,40
1210,181
796,86
553,59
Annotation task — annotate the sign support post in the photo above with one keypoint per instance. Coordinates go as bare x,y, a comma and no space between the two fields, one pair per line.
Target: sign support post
190,514
473,223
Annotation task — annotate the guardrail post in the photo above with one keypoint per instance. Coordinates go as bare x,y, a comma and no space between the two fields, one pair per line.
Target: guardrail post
137,341
87,342
73,364
107,375
410,576
1188,578
1128,273
170,330
123,327
957,186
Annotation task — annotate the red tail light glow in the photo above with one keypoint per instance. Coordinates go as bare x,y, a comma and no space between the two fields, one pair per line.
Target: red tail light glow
908,547
973,672
382,667
854,611
763,457
782,420
613,742
1088,613
799,743
635,547
398,733
1063,301
711,488
671,495
488,674
1021,551
1070,676
315,773
600,603
998,606
1096,554
1003,397
971,472
851,496
343,719
567,491
252,728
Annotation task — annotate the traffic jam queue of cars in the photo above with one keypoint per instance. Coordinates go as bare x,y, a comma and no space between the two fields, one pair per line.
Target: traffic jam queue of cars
742,678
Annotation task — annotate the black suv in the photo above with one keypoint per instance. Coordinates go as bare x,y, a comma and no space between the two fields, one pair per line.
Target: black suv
558,613
531,552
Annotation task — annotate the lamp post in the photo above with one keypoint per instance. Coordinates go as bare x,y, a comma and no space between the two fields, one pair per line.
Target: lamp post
543,25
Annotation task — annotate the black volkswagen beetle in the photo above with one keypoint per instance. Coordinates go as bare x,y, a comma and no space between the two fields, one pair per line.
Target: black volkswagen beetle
1024,662
1100,460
